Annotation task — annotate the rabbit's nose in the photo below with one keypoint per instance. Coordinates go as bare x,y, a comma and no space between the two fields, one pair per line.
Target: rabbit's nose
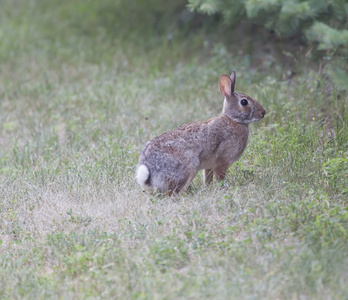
263,113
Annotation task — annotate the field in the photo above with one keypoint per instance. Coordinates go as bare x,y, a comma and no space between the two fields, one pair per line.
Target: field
84,84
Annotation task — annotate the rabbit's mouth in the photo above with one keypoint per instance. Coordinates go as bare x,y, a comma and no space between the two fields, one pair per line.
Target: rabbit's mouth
258,115
256,118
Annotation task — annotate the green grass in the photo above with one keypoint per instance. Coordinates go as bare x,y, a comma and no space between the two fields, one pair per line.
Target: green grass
83,85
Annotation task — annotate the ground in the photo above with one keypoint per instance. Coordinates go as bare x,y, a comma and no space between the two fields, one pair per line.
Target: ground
83,86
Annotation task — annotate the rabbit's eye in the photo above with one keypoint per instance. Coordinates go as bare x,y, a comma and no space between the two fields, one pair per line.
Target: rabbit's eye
244,102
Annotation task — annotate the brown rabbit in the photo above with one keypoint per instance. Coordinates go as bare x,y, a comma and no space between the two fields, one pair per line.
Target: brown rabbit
170,161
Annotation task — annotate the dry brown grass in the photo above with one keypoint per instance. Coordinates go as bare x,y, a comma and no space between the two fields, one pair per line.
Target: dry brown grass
78,102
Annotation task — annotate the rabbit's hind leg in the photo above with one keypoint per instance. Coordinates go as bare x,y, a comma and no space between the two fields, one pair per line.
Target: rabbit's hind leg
177,187
186,184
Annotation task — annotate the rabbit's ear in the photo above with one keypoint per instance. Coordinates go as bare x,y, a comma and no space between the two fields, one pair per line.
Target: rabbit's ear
226,84
233,78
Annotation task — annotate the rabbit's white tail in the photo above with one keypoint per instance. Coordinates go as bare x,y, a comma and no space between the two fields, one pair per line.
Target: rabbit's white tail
143,175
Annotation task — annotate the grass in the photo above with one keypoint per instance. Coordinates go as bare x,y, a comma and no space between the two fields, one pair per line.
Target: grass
83,85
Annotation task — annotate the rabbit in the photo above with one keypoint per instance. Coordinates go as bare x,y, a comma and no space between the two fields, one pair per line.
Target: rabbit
170,161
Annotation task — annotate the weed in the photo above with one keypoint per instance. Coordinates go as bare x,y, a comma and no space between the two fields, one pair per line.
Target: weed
83,86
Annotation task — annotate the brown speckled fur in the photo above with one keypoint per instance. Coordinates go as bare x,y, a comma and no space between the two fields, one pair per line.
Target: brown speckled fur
174,158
